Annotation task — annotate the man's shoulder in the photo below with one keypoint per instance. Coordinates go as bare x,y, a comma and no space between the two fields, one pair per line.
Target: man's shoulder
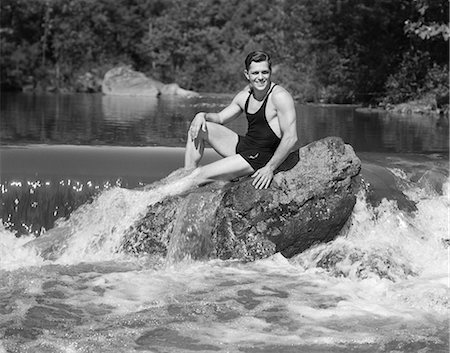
280,90
242,95
281,95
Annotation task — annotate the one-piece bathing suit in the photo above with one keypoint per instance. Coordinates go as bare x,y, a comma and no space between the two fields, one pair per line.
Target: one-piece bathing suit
259,144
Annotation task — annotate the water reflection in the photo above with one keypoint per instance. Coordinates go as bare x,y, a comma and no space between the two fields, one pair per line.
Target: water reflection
94,119
414,133
374,131
124,109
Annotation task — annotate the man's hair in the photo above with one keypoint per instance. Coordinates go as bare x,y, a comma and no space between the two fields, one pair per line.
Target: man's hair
257,56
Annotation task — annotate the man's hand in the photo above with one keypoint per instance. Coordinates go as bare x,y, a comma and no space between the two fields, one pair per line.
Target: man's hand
263,177
197,124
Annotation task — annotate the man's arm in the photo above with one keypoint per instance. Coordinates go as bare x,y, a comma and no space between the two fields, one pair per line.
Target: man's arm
284,105
232,111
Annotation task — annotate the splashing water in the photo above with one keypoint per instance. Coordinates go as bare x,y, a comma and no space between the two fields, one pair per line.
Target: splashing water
385,242
381,286
95,230
13,254
392,254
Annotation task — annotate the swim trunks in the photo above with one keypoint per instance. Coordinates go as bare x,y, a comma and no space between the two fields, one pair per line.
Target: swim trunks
259,144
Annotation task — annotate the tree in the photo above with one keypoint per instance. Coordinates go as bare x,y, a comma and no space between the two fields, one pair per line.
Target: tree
423,71
201,44
324,50
21,32
430,20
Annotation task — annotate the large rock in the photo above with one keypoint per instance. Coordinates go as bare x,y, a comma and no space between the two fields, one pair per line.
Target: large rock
309,202
123,81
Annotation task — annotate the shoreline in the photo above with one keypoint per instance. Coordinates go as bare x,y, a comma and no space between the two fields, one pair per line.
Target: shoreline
410,108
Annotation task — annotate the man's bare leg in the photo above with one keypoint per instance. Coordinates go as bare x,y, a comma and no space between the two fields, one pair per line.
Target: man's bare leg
225,169
221,138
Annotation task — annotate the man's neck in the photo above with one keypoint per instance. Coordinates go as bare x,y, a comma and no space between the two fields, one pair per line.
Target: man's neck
260,95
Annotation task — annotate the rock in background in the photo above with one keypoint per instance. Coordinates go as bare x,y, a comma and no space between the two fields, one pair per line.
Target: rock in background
308,202
123,81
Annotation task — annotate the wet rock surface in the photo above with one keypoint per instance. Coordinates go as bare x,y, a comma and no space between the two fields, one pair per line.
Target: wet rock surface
308,202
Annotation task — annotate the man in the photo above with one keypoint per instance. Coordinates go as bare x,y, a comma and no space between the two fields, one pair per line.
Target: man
271,135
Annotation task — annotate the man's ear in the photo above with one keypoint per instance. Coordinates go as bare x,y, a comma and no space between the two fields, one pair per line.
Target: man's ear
246,75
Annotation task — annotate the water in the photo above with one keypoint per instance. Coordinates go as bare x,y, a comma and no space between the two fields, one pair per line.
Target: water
92,119
381,286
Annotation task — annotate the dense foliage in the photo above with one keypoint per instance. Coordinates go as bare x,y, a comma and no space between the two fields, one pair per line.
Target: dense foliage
323,50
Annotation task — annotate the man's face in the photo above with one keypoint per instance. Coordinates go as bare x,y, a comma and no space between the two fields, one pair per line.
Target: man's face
259,75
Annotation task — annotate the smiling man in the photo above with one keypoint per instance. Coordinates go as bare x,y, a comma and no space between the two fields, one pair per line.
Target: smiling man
271,135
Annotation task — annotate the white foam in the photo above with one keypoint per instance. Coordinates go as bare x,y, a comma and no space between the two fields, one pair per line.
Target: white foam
13,254
390,262
97,228
388,269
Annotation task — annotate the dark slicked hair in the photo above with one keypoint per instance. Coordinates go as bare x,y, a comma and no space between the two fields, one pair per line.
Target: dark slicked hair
257,56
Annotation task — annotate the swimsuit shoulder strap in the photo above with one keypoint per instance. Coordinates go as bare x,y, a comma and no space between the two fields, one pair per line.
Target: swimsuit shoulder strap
270,91
246,102
267,96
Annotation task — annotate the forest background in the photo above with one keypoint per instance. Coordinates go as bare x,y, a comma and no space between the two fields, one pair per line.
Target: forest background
329,51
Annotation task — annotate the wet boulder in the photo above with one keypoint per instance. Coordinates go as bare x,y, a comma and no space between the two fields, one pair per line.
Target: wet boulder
309,201
124,81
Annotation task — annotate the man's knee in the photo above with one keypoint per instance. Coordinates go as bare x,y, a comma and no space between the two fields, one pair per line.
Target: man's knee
203,134
212,129
209,132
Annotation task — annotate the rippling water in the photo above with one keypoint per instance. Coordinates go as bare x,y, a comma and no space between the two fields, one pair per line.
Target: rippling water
380,286
93,119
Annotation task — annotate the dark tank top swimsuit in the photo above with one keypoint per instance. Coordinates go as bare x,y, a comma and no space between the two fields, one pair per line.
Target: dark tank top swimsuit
259,144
